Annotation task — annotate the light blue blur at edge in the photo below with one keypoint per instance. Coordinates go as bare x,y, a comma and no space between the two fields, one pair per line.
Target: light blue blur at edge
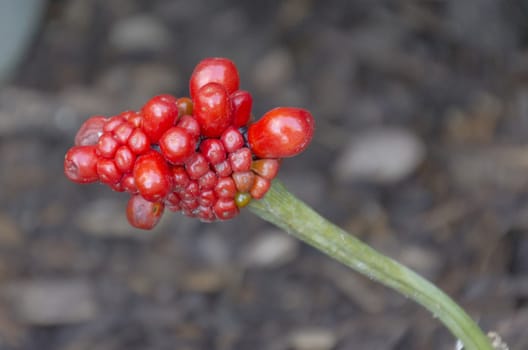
18,21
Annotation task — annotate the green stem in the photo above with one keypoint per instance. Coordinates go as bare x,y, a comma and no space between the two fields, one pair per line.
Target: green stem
286,211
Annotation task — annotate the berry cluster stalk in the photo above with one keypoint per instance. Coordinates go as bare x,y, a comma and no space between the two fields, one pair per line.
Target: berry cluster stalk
286,211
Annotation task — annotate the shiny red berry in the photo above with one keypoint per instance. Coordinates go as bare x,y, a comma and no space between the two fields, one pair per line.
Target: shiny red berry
177,145
213,150
159,114
138,142
282,132
207,181
225,188
128,183
108,172
189,123
133,118
189,203
232,139
107,145
214,70
180,178
207,198
191,191
144,214
80,164
90,131
196,166
113,123
225,209
124,159
172,198
123,132
152,176
223,168
242,103
212,109
240,160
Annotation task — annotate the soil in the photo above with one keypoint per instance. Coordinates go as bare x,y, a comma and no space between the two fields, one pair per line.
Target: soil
450,200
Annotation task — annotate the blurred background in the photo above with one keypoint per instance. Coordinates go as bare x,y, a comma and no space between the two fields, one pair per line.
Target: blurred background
420,150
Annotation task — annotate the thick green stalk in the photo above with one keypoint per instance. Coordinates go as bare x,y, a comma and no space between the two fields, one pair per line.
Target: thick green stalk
283,209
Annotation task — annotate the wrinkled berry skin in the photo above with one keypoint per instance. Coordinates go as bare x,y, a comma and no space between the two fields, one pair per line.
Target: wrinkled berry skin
281,133
214,70
90,131
142,213
80,164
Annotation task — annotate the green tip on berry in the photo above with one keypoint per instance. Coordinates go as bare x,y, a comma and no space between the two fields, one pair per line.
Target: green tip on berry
242,199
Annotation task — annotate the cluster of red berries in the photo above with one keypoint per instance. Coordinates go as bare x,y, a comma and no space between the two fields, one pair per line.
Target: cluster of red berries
199,155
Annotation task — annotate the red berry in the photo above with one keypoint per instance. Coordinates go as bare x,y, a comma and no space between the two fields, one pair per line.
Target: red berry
108,172
225,209
128,183
124,159
267,168
107,145
212,109
196,166
173,202
242,103
180,178
118,186
177,145
189,203
232,139
260,187
90,131
225,188
241,160
123,132
159,114
282,132
213,150
134,118
190,124
244,181
207,198
207,181
223,168
205,213
138,142
80,164
152,176
191,191
113,123
214,70
185,106
142,213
